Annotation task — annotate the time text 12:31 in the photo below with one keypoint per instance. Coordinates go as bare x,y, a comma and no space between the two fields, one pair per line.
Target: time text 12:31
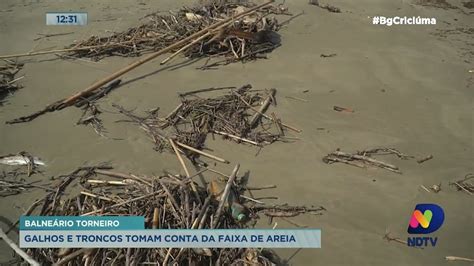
66,18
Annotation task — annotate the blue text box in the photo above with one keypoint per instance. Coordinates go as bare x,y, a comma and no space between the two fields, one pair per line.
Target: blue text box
66,18
171,238
82,222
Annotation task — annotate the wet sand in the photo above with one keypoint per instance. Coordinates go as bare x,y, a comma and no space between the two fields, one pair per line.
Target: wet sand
410,88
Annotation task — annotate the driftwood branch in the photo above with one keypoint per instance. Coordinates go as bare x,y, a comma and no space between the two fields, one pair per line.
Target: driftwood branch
17,250
96,85
424,159
225,195
363,159
465,185
72,256
262,108
454,258
201,152
236,137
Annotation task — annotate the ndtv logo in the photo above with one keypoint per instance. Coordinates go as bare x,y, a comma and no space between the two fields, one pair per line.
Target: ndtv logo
425,219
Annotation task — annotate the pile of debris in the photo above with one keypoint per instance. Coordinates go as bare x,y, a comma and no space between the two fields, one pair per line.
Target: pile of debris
238,115
7,78
465,184
435,3
329,8
169,202
245,39
217,34
90,108
12,181
22,159
364,159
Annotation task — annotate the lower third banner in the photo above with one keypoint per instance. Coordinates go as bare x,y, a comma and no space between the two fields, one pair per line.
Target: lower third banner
169,238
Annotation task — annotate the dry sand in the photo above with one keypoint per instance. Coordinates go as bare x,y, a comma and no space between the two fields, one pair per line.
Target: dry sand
410,88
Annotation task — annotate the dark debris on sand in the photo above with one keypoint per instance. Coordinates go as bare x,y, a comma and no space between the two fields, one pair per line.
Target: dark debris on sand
246,39
8,81
168,201
238,115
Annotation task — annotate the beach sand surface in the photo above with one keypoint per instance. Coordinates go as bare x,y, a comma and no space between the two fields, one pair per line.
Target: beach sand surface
410,87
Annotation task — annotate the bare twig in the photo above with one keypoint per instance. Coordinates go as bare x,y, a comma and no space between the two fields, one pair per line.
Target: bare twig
17,250
224,196
454,258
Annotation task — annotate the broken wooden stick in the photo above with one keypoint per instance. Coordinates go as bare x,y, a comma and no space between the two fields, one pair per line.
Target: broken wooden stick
224,196
426,189
26,213
424,159
156,218
51,35
197,223
188,175
96,196
66,50
174,111
125,203
358,160
184,48
113,174
390,238
236,137
180,159
124,176
108,182
261,188
332,159
465,185
17,250
201,152
262,108
72,256
343,109
461,187
98,84
278,125
264,115
183,94
454,258
296,98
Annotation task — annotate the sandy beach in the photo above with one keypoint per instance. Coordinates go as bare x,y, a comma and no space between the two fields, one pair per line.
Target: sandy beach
410,87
